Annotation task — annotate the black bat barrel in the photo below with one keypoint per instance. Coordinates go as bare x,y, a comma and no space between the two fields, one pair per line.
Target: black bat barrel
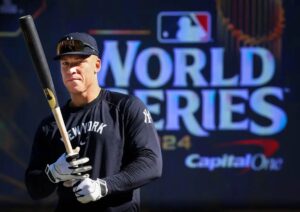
39,59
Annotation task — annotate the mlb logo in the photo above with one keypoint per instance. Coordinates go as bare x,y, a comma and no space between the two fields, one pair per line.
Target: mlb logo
184,27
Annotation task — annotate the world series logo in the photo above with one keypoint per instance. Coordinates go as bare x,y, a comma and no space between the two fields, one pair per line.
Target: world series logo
184,27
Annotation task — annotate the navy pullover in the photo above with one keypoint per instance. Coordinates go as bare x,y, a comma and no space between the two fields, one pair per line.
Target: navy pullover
116,132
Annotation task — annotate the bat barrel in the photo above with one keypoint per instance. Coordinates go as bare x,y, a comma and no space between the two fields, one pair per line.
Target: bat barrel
42,69
39,59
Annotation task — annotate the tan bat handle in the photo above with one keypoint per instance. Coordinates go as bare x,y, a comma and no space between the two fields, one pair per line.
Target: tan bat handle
62,129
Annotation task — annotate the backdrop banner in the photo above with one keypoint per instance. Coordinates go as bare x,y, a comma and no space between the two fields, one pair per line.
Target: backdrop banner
218,76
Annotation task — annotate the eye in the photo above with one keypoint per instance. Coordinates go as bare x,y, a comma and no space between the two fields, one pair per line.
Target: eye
64,63
77,63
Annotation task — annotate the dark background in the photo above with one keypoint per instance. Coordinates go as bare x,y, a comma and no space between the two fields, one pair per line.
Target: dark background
23,104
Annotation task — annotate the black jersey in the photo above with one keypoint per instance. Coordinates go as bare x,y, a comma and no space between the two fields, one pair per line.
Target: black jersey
116,132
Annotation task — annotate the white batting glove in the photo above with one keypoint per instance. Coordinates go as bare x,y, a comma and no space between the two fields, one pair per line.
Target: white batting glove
89,190
67,168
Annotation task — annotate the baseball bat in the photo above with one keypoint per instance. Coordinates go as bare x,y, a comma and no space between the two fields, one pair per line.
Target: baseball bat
42,69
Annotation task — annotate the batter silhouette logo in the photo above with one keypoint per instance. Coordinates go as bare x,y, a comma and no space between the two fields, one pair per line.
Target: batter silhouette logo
184,27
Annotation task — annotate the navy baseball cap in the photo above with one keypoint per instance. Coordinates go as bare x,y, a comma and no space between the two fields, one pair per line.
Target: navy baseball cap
76,43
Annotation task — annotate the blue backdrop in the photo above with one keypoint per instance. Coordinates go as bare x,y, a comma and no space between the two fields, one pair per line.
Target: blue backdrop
219,77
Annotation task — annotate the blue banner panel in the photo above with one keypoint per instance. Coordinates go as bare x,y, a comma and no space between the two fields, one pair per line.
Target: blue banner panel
218,76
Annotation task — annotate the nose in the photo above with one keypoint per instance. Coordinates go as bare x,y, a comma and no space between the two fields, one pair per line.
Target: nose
72,70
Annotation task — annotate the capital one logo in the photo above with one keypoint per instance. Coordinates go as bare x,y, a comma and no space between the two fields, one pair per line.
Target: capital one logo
184,27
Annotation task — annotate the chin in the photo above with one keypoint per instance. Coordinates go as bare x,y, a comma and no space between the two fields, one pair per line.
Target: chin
75,91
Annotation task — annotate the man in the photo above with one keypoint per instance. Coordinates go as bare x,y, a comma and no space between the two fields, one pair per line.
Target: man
117,147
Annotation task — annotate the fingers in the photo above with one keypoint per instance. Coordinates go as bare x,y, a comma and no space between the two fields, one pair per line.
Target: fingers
77,166
79,161
81,169
75,185
80,177
83,199
68,167
89,190
70,183
85,191
85,184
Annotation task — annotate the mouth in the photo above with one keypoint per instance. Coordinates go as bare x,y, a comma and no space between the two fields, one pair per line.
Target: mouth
72,79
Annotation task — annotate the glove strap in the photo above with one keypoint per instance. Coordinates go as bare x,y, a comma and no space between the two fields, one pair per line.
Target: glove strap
50,175
103,187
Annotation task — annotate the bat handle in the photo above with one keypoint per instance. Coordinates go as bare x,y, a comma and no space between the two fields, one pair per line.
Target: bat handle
62,128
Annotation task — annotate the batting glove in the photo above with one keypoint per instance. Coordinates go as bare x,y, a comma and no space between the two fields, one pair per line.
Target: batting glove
68,168
89,190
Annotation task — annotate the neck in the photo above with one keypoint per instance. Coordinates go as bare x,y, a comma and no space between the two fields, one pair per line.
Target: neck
81,99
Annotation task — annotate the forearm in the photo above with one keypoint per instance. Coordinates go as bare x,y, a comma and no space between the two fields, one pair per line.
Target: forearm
38,184
145,168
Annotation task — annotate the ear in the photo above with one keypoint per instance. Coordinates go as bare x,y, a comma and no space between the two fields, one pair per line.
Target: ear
98,65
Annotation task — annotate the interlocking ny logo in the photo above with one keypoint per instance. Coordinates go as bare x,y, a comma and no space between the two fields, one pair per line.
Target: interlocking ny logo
147,115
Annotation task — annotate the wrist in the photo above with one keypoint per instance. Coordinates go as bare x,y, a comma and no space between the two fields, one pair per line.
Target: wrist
103,188
50,172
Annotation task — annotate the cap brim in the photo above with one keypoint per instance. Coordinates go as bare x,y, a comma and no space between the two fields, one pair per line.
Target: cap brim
57,57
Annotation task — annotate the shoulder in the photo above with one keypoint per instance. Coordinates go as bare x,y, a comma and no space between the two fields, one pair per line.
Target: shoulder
122,101
47,124
132,109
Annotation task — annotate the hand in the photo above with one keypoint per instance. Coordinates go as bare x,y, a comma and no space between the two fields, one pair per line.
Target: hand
68,168
89,190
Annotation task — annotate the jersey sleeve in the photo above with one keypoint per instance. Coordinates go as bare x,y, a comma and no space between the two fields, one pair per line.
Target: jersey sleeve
37,183
142,147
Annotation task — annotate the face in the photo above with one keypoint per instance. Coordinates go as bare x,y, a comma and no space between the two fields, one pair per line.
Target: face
79,73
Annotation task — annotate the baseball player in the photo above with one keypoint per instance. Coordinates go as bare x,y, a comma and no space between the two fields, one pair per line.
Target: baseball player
117,146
